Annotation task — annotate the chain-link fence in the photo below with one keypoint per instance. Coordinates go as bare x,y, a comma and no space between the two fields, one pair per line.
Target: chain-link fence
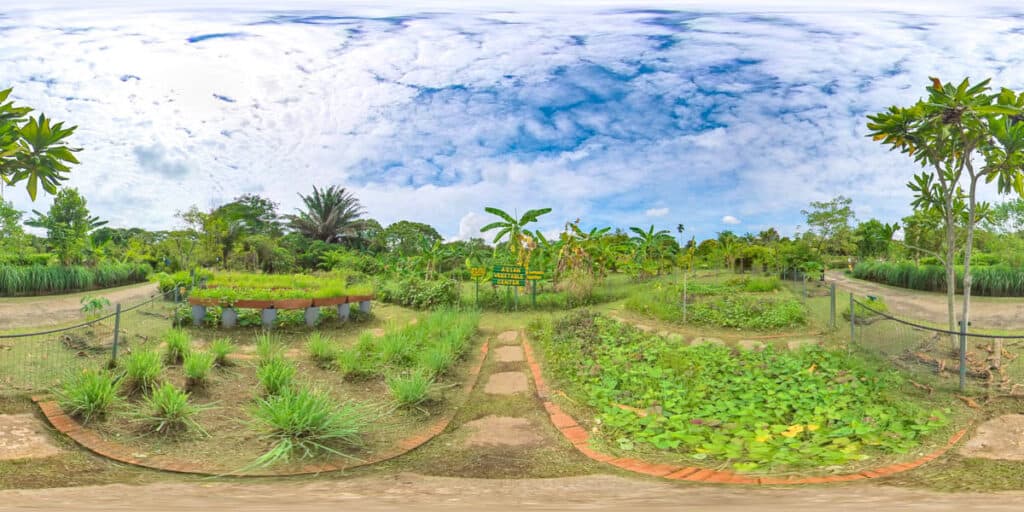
35,361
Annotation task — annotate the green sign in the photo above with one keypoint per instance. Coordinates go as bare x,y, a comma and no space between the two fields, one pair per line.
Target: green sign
508,275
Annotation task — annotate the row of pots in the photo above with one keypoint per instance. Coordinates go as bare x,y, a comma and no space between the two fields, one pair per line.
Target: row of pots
229,315
283,303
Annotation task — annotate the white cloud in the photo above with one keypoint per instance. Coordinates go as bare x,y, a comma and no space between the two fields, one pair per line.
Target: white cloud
656,212
729,219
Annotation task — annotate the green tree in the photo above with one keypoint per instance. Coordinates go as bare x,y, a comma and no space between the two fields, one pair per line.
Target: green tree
831,222
331,214
961,133
1006,217
873,237
67,225
406,237
251,214
33,149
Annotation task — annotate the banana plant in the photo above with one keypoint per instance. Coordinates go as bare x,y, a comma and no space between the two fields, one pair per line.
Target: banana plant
513,231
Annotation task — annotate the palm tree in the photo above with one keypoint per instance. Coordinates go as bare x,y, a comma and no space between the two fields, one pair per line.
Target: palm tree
331,215
512,228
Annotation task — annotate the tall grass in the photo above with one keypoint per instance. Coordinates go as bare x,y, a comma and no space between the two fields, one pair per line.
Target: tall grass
321,349
179,344
221,348
993,281
168,410
197,366
410,389
42,279
276,374
268,346
88,394
142,370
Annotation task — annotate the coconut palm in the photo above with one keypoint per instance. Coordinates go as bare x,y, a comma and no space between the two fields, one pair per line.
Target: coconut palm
331,215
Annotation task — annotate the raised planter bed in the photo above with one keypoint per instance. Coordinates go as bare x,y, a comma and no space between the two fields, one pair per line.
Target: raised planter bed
359,298
292,303
207,302
330,301
254,304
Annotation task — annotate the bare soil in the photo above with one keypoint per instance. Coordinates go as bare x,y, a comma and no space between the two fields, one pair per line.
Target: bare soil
1000,438
501,431
23,436
408,491
986,312
50,310
506,383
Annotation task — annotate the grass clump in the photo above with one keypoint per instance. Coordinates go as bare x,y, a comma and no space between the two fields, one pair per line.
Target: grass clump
142,370
268,347
355,364
89,394
221,348
167,410
437,359
276,374
179,344
197,368
321,349
410,389
306,423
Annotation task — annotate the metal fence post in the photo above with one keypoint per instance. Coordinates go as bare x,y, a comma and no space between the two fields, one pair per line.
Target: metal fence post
832,306
963,355
853,323
117,333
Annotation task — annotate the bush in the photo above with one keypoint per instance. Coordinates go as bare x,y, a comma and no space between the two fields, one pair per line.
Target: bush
88,395
167,410
867,309
179,344
307,423
410,389
142,370
761,284
416,292
275,374
221,348
197,368
321,349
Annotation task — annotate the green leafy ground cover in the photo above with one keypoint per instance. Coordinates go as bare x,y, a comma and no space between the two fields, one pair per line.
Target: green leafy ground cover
753,410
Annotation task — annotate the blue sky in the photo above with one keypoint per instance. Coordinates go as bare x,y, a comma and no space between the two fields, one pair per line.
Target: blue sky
714,115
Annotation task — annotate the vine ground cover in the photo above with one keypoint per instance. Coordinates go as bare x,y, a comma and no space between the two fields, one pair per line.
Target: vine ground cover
755,411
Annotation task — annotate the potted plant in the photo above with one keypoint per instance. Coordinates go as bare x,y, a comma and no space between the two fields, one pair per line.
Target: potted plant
292,299
256,299
228,314
330,295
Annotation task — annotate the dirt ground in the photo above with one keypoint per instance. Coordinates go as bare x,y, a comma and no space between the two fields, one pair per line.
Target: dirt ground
986,312
50,310
408,491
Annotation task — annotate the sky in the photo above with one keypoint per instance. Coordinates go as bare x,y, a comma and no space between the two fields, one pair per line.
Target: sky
715,115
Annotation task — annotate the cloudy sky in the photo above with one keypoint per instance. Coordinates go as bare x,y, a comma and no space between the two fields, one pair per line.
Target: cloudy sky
714,115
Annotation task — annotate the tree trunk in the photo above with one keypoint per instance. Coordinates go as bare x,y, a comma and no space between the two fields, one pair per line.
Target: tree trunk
950,266
965,315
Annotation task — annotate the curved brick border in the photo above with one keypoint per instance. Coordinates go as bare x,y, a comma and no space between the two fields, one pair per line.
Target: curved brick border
94,443
579,437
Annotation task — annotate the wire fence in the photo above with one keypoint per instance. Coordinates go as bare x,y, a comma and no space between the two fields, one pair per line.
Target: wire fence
36,361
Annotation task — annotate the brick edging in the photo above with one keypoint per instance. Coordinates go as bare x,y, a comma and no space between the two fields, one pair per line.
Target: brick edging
579,437
91,441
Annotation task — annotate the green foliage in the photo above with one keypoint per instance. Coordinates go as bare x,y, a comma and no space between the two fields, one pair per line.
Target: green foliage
410,389
88,394
993,281
330,214
67,225
42,279
197,368
179,344
275,374
221,348
142,370
743,303
437,359
756,410
93,306
168,282
355,364
419,293
268,346
866,309
167,410
761,284
321,349
307,423
33,149
748,312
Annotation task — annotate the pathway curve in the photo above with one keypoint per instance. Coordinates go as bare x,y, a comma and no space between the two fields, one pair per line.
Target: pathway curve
51,310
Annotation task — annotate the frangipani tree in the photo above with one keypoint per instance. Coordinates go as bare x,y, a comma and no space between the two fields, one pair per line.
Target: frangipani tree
963,136
33,150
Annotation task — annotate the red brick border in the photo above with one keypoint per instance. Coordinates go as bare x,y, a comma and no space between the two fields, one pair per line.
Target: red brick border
89,440
579,437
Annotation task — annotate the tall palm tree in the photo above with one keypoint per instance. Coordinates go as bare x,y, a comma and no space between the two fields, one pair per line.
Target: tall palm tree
331,215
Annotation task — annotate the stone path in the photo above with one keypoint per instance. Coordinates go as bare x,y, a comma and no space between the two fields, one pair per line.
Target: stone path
506,383
1000,438
508,338
501,431
22,436
504,431
509,354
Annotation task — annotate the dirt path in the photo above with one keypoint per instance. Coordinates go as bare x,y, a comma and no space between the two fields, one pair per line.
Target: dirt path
416,492
50,310
986,312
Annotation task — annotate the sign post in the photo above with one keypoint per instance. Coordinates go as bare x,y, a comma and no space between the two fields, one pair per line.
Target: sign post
509,275
533,276
476,273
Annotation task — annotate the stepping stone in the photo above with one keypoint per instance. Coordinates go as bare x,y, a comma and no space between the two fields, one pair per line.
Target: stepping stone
704,340
377,333
1000,438
509,354
676,338
644,328
802,342
506,383
508,337
501,431
22,436
753,345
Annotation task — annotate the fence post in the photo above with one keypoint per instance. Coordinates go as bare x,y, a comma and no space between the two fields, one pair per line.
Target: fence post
117,333
963,356
684,297
853,324
832,306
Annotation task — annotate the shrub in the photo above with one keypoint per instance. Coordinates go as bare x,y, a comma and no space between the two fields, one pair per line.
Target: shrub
410,389
221,348
167,410
419,293
275,374
321,349
307,423
179,344
142,370
88,394
748,312
197,368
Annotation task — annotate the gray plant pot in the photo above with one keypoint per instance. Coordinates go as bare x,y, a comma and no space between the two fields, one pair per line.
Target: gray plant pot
364,306
312,315
343,312
198,315
229,317
267,316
